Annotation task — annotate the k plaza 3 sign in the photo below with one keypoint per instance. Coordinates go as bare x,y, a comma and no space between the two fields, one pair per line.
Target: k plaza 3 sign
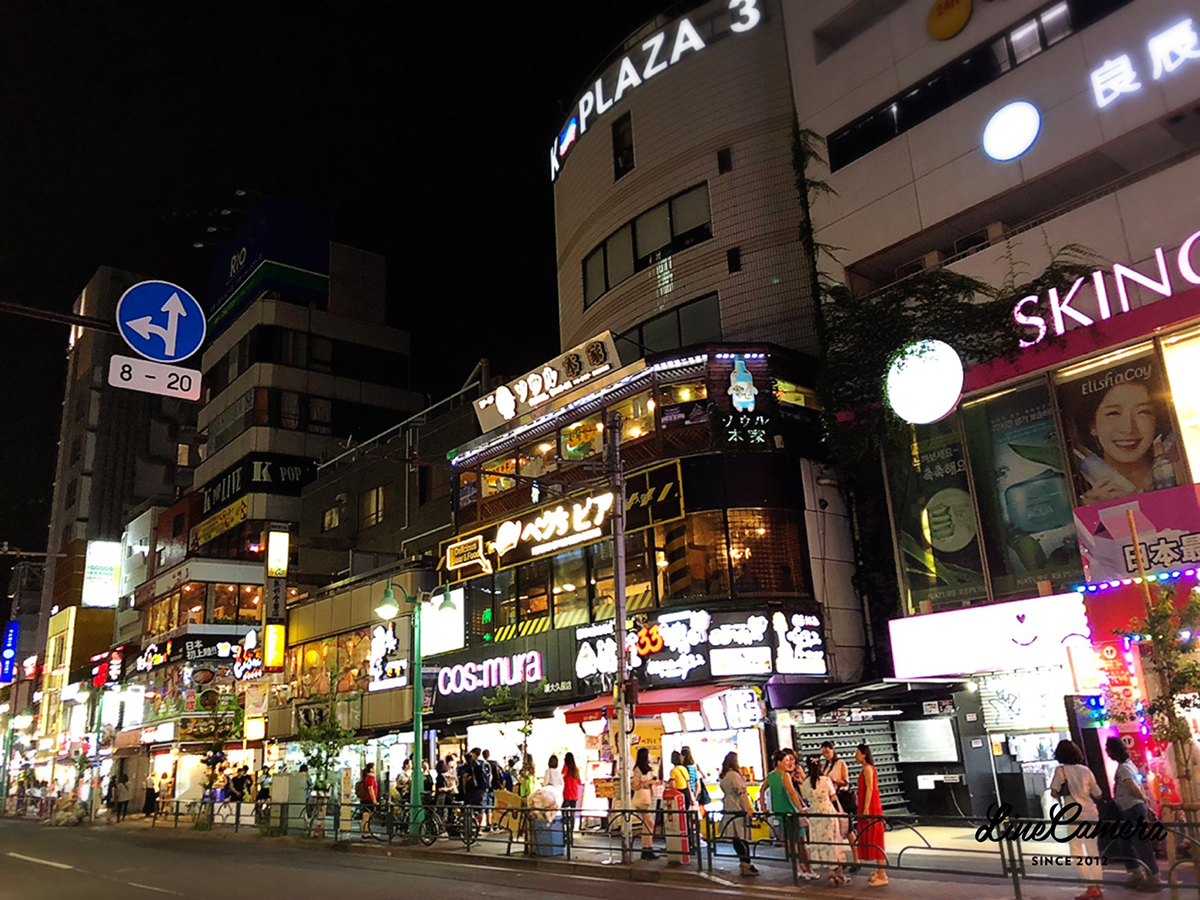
658,53
652,496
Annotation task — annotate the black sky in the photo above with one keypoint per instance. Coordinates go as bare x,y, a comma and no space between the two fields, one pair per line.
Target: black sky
422,127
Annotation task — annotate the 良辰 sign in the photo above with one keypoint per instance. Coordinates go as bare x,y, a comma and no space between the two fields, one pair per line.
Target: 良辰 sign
652,496
1090,300
1166,51
535,389
656,54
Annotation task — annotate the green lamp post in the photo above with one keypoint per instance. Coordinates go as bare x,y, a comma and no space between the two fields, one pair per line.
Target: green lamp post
389,608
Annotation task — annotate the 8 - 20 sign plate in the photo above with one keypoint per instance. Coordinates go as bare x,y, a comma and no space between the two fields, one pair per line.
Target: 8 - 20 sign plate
136,374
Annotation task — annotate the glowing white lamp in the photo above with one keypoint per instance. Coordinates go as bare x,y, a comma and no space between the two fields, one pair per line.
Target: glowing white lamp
1011,130
924,382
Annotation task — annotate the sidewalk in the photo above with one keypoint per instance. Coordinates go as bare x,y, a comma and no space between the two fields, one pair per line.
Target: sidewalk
594,857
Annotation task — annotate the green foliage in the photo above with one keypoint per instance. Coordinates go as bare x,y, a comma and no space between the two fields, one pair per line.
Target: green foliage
861,334
504,706
322,743
1169,658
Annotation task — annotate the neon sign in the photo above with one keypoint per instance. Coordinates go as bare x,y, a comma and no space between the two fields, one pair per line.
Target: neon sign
801,646
1167,50
8,651
1059,307
653,59
248,659
520,668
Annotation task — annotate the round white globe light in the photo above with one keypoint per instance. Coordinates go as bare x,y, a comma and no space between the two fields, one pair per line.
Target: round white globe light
1011,130
924,382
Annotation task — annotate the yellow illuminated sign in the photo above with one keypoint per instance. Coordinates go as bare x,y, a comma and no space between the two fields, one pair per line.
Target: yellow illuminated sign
256,728
949,17
274,647
277,554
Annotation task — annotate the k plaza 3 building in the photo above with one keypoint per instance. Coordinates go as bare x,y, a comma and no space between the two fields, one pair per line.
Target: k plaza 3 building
989,140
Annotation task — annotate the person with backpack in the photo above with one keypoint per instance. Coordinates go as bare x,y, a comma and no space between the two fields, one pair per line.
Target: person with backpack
496,783
367,791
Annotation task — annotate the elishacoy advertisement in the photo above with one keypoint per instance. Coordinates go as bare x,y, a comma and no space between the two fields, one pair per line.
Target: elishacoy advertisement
1120,436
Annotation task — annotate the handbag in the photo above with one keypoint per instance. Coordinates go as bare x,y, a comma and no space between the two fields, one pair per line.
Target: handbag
702,796
842,823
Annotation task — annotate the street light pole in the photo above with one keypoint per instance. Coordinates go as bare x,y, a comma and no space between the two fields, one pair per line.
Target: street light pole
617,481
416,790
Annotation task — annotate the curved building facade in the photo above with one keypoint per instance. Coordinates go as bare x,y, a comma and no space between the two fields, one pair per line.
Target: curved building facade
676,210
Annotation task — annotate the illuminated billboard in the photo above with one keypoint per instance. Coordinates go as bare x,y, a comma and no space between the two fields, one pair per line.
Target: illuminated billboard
102,574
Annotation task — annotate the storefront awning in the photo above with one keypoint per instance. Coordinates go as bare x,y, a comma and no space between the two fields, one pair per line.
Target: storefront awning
650,703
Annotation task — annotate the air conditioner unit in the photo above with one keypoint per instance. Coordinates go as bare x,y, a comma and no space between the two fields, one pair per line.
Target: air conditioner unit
981,238
930,260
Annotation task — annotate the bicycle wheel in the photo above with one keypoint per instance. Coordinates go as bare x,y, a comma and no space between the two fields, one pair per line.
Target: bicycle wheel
431,827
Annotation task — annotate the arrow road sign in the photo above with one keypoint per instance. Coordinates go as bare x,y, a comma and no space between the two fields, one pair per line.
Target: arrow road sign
135,374
161,321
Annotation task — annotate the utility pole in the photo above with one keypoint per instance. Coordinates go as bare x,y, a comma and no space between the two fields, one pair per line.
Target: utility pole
612,459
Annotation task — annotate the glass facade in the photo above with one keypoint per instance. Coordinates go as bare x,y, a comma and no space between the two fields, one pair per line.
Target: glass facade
990,504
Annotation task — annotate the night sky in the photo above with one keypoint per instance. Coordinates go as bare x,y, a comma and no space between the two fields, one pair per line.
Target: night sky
422,127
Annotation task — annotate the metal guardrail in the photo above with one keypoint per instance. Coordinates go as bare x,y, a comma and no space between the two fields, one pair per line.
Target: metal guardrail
558,832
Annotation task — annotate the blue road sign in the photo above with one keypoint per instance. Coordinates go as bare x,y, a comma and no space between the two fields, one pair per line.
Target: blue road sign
161,321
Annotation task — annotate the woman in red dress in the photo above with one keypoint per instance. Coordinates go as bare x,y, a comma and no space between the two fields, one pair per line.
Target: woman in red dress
870,831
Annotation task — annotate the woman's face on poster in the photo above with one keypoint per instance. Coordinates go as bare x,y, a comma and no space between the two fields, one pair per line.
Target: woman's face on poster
1125,423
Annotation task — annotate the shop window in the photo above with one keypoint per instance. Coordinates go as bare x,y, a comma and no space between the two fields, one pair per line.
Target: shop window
1116,417
661,333
692,558
331,518
538,458
1182,354
468,489
481,621
637,416
533,590
249,604
191,603
570,589
504,598
225,604
583,439
622,140
1023,492
683,392
172,607
790,394
764,552
494,481
639,580
370,508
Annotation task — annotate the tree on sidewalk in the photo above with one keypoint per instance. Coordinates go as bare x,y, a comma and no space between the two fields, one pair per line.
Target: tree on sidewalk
322,739
503,707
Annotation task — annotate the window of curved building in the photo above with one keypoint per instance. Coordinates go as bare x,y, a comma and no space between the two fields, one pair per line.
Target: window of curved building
494,481
764,552
692,558
675,224
533,590
570,589
695,322
538,458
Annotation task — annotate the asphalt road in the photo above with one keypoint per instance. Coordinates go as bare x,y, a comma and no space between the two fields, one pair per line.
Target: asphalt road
42,863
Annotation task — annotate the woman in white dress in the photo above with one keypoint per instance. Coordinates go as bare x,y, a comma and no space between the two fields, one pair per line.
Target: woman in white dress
826,836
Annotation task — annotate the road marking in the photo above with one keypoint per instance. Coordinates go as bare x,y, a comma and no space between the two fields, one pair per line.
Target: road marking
150,887
40,862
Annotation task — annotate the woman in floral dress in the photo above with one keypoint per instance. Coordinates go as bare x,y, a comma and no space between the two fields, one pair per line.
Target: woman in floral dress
826,837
